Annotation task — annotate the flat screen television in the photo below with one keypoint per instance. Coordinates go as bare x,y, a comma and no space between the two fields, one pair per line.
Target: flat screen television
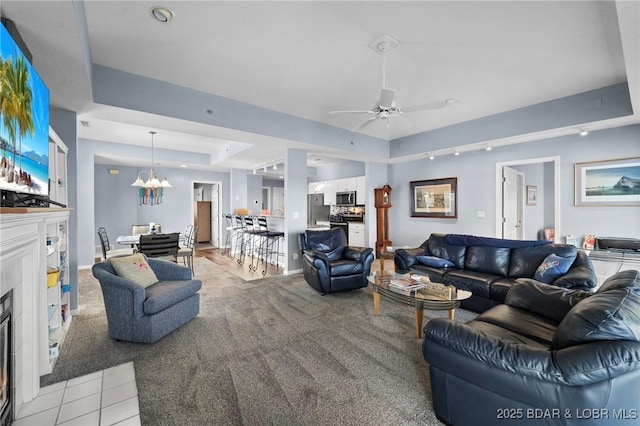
24,123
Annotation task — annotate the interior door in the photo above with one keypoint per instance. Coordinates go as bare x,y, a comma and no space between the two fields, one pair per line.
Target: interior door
215,215
511,210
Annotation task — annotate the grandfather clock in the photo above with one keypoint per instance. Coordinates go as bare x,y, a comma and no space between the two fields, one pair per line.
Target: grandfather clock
382,203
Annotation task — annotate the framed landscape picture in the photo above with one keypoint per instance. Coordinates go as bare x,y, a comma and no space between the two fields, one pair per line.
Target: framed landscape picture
434,198
608,183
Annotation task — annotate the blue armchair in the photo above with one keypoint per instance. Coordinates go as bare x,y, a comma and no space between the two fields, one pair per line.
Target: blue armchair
145,315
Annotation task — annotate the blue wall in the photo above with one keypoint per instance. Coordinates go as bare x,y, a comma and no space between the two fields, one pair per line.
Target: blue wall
477,189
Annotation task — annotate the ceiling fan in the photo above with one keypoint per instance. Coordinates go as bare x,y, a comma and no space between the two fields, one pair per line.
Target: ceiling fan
386,108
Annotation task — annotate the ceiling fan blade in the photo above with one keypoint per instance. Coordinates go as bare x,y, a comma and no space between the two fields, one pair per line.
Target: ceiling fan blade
364,124
386,98
430,105
350,112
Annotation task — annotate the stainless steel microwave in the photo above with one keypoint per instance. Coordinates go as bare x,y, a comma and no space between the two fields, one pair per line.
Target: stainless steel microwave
347,198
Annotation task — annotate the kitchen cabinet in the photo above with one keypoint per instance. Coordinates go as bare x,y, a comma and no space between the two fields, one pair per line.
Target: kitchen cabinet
346,184
357,234
361,190
330,192
316,188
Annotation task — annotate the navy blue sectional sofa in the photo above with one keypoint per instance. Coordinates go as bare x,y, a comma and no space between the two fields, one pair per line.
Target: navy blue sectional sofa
488,267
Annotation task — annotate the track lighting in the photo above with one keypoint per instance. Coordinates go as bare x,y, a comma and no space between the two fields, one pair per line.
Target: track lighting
254,170
488,147
456,152
264,169
431,156
275,166
584,132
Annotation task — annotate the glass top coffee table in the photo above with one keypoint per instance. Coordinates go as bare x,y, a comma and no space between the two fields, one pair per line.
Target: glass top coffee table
435,296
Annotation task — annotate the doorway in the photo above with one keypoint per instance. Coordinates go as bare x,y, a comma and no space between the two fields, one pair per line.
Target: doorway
205,211
507,203
513,204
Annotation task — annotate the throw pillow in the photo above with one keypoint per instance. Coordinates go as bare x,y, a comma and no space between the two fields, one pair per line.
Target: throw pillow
611,313
436,262
553,267
134,268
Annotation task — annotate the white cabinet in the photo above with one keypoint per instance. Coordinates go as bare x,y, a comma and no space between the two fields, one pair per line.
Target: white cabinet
346,184
58,285
57,168
330,193
361,190
357,234
316,188
609,263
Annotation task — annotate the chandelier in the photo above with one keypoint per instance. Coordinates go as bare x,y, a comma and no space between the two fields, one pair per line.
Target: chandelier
151,191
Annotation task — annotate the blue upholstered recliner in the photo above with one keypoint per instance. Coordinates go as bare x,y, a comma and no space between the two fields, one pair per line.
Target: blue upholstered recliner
330,265
145,315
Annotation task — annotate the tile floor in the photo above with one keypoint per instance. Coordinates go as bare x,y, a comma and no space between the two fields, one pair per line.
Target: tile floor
104,398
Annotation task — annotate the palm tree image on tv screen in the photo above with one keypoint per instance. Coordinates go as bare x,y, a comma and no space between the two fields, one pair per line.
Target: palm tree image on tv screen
24,122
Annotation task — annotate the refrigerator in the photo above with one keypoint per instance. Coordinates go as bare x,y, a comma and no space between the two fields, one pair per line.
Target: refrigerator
316,210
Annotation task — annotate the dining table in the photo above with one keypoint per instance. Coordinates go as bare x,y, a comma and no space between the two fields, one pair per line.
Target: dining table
128,240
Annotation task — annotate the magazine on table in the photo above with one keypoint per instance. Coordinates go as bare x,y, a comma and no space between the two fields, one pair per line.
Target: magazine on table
406,285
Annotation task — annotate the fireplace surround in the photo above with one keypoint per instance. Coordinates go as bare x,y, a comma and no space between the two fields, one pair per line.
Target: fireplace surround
23,269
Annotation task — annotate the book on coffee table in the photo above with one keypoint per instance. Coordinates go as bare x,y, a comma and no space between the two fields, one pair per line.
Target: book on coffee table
405,285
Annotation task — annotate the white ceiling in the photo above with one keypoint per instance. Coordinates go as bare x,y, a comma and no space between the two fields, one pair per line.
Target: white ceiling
307,58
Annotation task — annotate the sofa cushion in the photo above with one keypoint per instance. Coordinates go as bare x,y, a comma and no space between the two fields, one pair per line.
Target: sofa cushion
525,260
476,282
164,294
134,268
487,259
499,289
435,274
434,261
520,322
611,313
553,267
437,247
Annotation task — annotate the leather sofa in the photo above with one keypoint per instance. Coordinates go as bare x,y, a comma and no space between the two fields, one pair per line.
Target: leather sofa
488,267
547,356
330,265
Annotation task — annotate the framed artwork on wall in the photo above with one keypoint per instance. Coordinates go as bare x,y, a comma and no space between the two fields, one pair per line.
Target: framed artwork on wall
532,195
434,198
608,183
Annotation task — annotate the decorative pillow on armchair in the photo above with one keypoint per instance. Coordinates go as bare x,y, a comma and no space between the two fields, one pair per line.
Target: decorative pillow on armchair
134,268
553,267
436,262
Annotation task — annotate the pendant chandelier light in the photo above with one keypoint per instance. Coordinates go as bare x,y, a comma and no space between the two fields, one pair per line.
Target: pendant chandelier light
151,191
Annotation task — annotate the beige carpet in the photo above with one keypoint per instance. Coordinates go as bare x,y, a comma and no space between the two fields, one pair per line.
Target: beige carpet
266,352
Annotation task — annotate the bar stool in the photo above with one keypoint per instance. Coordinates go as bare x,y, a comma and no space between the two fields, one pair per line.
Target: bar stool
237,238
230,228
253,241
268,240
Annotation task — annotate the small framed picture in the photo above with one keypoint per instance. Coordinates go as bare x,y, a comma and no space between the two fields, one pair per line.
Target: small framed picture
532,195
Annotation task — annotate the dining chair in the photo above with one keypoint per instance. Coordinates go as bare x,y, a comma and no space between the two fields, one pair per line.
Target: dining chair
164,246
186,251
107,251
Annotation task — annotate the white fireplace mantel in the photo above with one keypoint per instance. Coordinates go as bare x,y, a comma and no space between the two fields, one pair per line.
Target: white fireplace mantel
23,268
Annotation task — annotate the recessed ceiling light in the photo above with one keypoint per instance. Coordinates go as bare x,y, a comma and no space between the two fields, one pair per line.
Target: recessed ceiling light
161,14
